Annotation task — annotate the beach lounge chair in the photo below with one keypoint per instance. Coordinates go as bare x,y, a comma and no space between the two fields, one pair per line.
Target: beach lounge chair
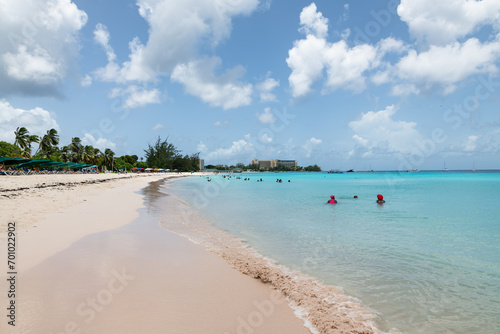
6,172
27,171
15,171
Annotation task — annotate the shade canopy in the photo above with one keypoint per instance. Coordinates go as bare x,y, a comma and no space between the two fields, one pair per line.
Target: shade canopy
12,161
43,163
31,163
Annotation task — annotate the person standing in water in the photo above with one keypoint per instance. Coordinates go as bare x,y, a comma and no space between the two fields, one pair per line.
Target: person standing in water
332,200
380,199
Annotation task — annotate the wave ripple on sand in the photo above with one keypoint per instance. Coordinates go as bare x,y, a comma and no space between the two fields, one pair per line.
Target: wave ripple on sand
323,308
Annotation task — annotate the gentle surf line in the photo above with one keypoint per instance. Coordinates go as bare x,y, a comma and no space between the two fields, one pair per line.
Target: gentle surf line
323,308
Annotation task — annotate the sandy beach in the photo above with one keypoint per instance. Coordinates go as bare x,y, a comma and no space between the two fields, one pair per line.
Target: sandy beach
90,258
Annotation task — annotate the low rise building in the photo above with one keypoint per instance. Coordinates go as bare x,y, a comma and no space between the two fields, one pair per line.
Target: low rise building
268,164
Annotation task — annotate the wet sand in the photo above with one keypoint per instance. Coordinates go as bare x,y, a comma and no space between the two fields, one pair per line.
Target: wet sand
100,266
323,308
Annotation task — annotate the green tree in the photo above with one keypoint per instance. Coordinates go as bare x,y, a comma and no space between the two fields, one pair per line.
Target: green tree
97,156
186,163
26,153
253,167
55,154
76,148
161,154
49,140
65,153
88,154
131,159
141,164
22,138
314,168
108,157
8,150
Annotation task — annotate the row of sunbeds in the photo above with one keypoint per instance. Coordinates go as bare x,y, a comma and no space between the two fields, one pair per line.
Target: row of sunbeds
28,171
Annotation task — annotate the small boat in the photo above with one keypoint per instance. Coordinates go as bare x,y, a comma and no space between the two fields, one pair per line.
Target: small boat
444,167
335,171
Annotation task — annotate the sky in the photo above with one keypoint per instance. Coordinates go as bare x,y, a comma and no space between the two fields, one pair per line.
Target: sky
360,84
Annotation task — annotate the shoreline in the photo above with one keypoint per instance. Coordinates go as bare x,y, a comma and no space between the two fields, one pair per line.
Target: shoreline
34,197
323,308
96,235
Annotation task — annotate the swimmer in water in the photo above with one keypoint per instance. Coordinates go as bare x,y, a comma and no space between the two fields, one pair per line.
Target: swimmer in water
380,199
332,200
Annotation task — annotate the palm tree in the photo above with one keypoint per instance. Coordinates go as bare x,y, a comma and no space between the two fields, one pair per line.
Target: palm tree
48,141
76,149
108,158
33,139
27,149
22,136
89,154
66,153
97,155
26,153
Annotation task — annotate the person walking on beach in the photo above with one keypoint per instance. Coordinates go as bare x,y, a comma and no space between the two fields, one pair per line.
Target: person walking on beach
332,200
380,199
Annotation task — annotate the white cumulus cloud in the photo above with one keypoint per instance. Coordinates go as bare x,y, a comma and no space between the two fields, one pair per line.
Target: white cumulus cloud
178,31
267,117
265,138
346,67
445,66
240,150
225,91
86,81
471,144
265,89
377,131
310,145
183,25
36,120
136,97
41,44
157,127
101,143
313,22
445,21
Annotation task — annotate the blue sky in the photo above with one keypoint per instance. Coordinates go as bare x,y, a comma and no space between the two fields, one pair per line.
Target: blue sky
344,84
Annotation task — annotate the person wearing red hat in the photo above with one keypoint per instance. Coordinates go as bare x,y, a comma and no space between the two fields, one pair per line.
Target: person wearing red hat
380,199
332,200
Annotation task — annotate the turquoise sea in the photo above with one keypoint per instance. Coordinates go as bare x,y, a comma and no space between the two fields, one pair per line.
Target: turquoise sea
426,261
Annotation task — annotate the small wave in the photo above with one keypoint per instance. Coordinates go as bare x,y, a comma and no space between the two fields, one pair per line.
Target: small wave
323,308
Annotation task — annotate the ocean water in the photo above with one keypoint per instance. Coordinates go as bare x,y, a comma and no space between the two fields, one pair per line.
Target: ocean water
426,261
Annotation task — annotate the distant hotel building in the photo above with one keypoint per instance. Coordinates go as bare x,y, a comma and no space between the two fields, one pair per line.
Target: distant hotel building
201,164
266,164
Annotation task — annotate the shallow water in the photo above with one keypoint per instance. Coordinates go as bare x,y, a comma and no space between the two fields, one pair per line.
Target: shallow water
426,261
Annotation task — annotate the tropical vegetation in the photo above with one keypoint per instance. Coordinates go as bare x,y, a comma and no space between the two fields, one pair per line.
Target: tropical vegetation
75,151
165,155
254,167
162,154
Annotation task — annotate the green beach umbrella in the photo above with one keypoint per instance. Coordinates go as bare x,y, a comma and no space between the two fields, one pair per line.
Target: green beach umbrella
31,163
12,161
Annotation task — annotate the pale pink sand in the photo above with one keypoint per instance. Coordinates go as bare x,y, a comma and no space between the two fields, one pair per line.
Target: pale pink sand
84,270
30,198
